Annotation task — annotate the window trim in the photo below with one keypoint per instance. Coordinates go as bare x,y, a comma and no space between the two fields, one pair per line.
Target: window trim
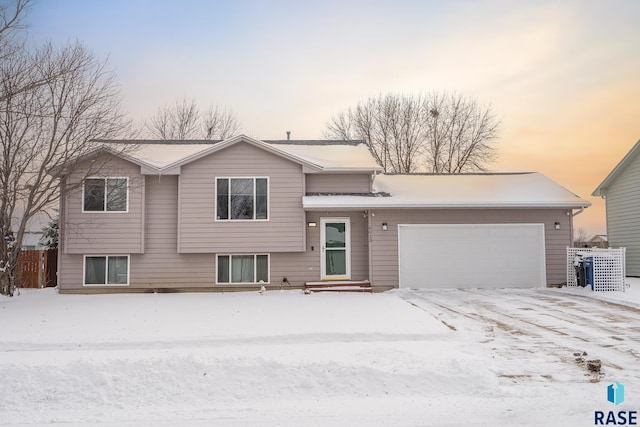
255,268
106,256
105,178
254,178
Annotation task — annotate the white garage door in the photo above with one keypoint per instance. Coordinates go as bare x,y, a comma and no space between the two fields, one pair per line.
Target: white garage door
471,255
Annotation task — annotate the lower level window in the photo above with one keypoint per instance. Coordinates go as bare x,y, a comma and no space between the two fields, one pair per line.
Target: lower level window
106,270
243,268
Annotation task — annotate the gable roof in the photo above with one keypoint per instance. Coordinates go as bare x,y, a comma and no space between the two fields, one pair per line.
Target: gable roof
601,189
488,190
335,157
166,157
104,146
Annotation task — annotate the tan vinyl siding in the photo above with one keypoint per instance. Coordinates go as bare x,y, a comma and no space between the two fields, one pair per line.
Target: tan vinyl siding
623,214
303,267
69,271
105,232
338,183
160,266
199,232
385,243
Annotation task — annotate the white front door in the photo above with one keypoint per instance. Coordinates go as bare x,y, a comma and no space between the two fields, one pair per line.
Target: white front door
335,238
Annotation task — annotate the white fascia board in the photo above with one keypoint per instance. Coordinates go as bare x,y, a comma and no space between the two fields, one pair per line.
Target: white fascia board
372,202
351,169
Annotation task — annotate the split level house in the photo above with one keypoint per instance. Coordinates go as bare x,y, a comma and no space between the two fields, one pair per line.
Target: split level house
621,191
241,214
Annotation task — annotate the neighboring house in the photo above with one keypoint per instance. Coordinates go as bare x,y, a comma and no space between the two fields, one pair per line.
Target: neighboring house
31,241
243,213
621,191
599,241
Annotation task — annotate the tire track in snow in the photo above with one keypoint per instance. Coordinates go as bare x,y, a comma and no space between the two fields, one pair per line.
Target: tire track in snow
524,320
579,326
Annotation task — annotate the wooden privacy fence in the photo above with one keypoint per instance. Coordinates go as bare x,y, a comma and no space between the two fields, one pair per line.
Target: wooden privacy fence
37,269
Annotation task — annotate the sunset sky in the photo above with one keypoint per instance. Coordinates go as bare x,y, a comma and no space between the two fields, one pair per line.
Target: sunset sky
562,76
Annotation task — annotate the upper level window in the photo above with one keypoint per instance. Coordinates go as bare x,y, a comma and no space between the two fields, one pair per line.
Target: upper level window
105,194
242,198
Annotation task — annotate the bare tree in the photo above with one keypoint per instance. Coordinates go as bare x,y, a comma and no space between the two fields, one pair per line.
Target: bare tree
183,121
220,124
12,43
176,122
580,237
438,132
44,128
11,15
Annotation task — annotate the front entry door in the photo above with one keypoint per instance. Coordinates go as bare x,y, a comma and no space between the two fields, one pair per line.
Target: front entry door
335,238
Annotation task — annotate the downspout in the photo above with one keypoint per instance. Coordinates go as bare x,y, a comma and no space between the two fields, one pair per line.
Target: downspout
572,215
369,239
62,229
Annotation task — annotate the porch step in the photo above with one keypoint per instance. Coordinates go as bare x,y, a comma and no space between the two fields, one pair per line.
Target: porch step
339,286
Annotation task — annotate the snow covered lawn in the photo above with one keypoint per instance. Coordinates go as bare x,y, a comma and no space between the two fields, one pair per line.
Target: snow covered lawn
448,357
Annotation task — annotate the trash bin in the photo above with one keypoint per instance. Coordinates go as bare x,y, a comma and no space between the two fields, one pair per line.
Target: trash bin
587,266
579,267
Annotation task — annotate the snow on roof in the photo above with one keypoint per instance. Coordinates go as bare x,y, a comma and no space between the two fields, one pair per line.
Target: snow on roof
328,155
334,157
32,239
528,189
161,155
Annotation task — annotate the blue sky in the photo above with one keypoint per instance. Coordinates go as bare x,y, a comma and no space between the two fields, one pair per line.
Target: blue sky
564,77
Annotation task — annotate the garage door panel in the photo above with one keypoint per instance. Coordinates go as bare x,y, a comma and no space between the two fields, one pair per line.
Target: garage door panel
471,255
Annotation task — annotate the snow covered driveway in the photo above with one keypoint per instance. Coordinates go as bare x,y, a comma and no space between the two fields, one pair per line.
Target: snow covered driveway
541,325
436,358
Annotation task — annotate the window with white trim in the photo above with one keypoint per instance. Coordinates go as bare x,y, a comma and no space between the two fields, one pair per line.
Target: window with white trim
242,198
105,194
106,270
243,268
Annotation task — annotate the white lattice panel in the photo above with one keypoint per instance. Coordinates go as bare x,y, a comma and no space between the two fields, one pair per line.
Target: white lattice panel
608,268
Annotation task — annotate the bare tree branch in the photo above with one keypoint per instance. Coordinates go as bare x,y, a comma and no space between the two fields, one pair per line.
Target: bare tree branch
183,121
44,128
581,238
220,124
437,133
11,14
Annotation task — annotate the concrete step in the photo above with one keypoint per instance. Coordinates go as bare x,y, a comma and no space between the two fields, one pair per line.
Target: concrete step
339,286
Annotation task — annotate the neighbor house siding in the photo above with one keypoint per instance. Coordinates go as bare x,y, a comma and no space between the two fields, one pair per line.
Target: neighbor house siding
338,183
623,214
384,257
199,231
104,232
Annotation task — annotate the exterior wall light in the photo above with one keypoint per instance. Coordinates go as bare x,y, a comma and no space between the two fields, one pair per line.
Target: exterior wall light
384,226
556,225
312,224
